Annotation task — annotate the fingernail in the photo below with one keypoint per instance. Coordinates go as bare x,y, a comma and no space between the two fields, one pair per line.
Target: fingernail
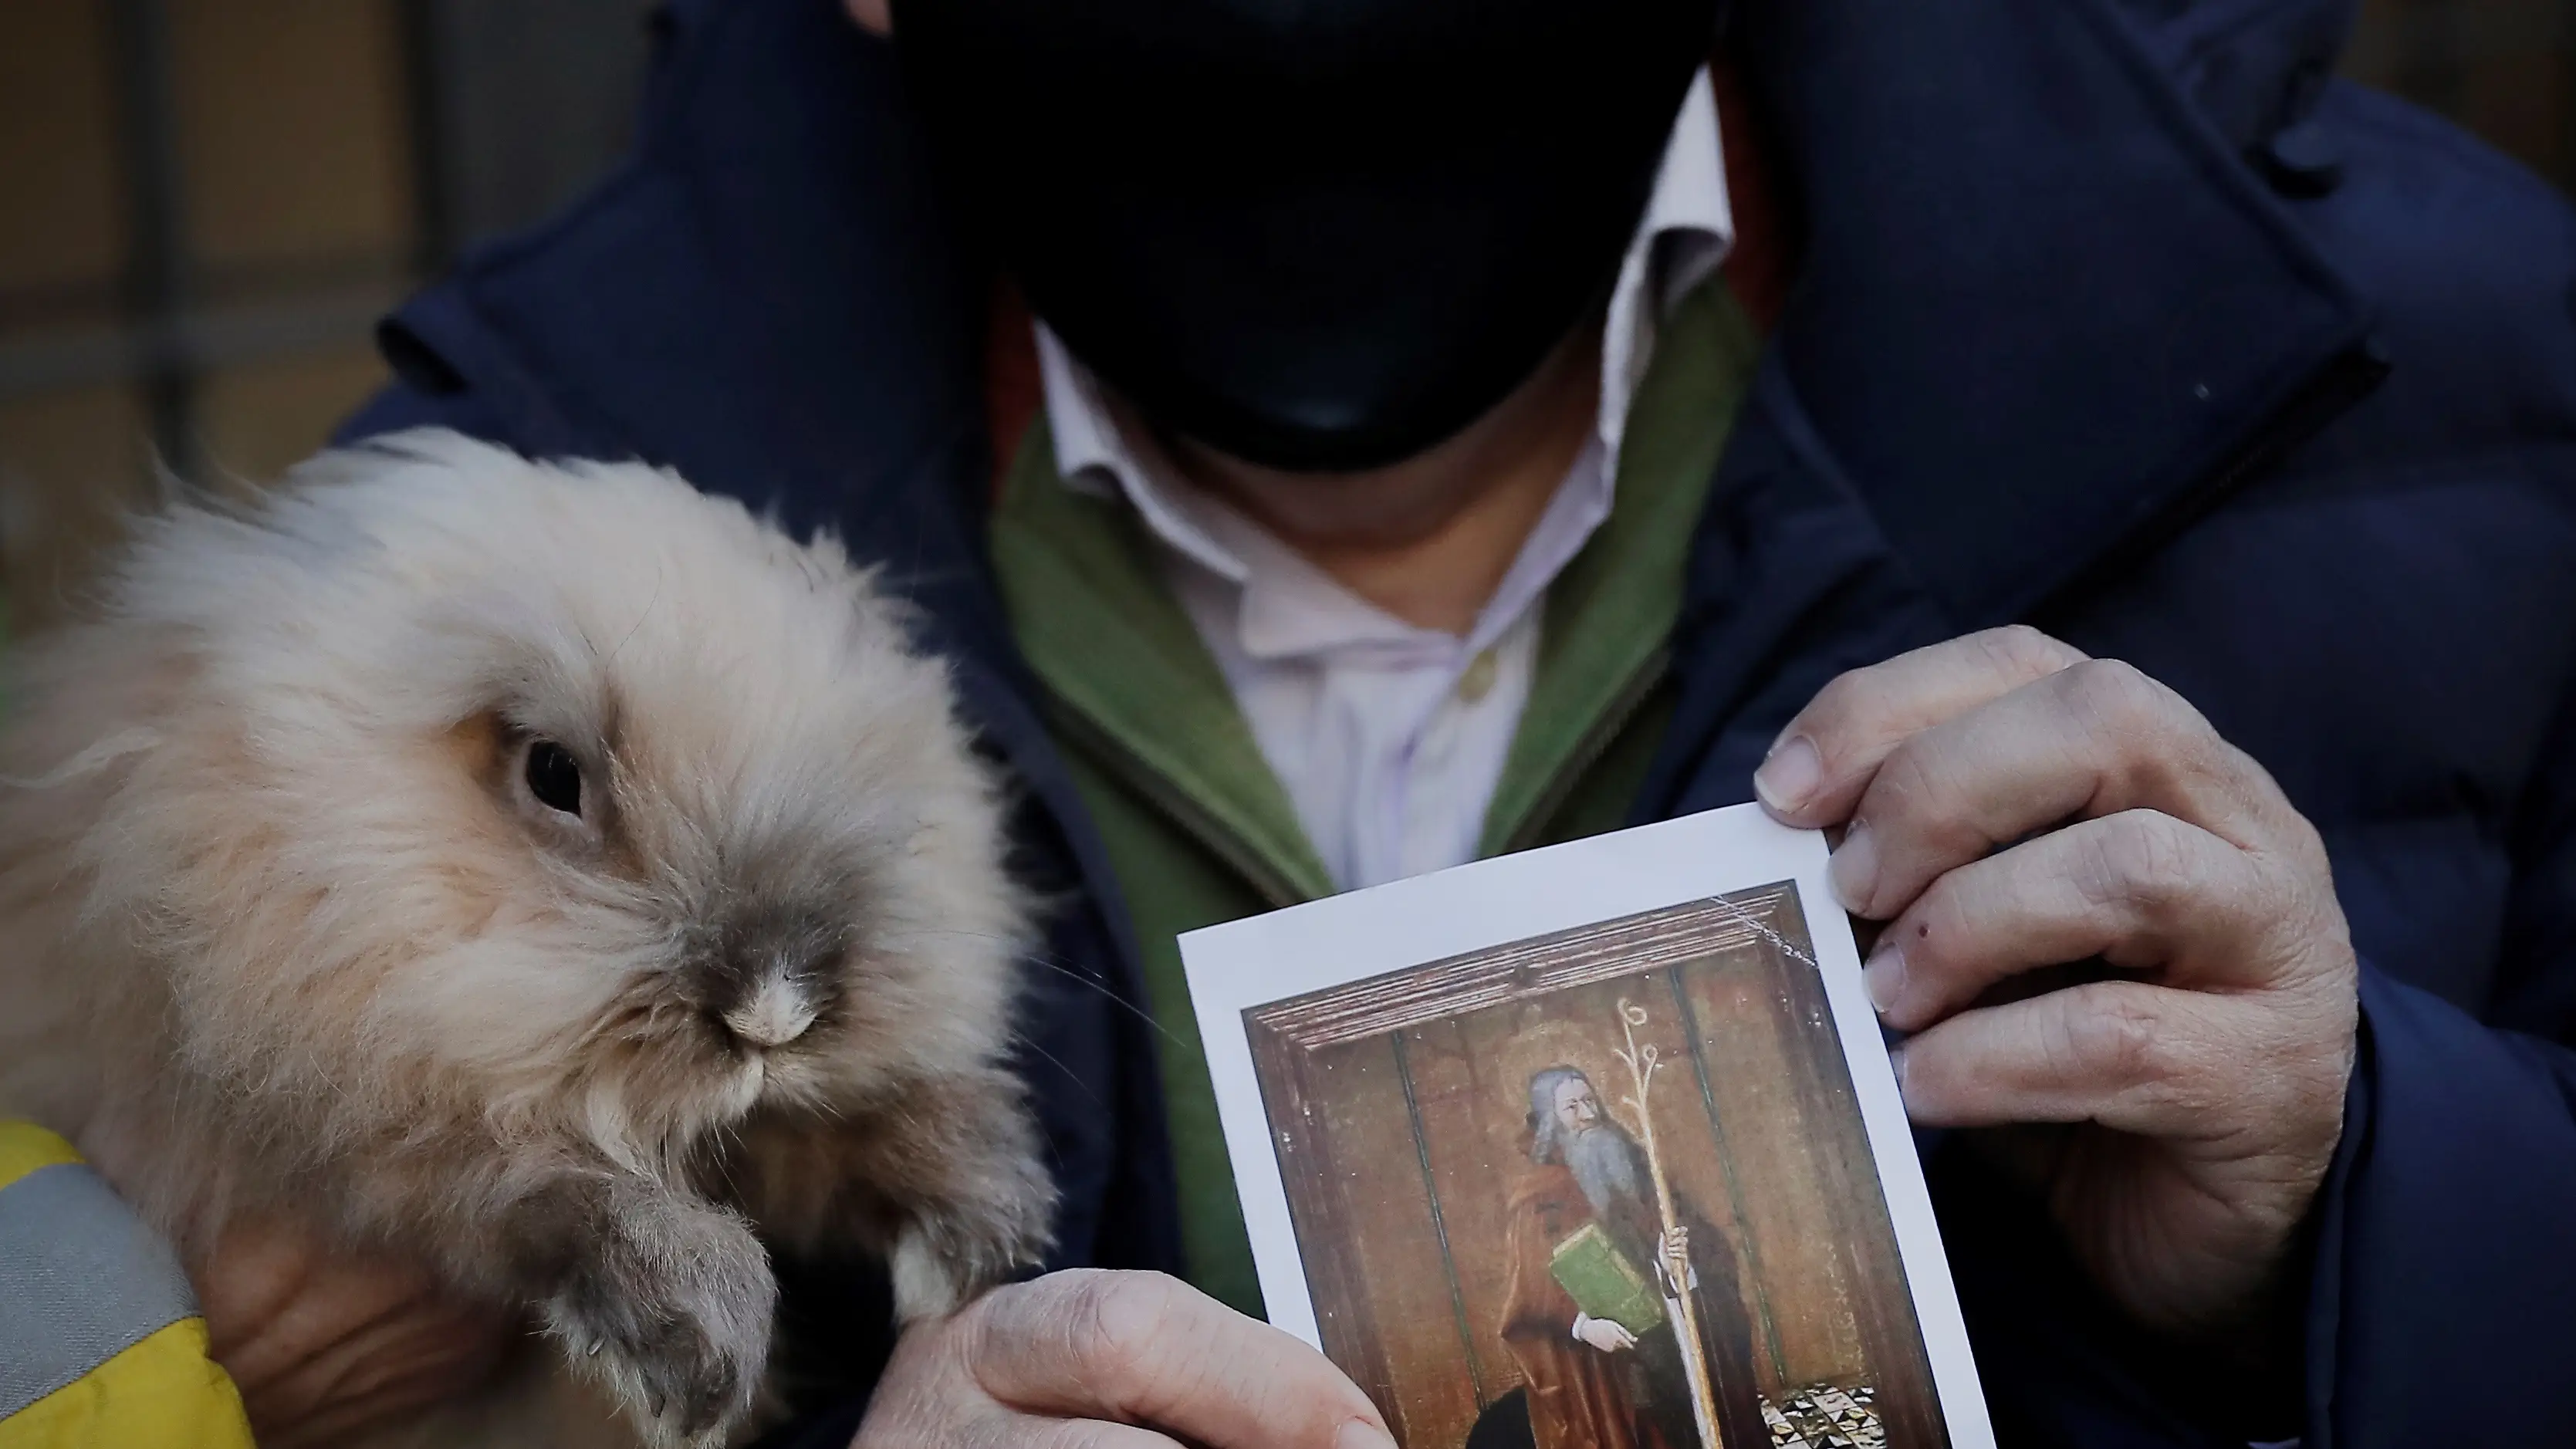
1361,1434
1884,977
1896,1063
1789,776
1854,871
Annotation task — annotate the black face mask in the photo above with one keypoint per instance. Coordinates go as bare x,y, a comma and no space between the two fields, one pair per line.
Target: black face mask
1319,235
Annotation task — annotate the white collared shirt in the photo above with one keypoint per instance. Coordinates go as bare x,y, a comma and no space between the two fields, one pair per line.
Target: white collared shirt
1390,738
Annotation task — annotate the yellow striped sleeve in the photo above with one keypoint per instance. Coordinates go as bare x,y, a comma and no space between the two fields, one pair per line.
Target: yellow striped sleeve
77,1268
162,1393
25,1147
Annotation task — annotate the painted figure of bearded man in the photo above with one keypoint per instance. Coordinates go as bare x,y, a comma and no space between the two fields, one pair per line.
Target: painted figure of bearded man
1590,1383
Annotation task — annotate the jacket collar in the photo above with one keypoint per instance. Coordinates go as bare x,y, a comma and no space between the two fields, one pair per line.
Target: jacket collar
2253,68
2045,310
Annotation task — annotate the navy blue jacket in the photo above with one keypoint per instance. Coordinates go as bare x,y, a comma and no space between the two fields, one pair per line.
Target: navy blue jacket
2112,315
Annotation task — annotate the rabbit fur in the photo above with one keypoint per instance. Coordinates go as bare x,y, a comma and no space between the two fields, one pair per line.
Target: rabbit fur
298,925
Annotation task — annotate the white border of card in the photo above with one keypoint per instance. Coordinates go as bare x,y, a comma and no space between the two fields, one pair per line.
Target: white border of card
1253,962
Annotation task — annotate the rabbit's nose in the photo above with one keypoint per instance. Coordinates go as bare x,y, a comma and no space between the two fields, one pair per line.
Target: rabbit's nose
775,1014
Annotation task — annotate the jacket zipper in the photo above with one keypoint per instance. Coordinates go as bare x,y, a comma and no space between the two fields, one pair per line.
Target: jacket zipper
1175,805
1639,687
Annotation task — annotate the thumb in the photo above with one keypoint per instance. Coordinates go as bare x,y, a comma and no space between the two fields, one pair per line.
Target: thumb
1141,1348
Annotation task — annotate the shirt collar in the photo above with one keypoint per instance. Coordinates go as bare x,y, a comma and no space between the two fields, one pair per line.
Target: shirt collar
1685,235
1689,228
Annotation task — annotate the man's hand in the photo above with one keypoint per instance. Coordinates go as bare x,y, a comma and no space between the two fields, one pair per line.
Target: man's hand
1099,1360
323,1346
2207,1075
1604,1335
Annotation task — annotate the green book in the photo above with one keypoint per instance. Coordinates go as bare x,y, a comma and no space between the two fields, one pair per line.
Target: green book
1604,1284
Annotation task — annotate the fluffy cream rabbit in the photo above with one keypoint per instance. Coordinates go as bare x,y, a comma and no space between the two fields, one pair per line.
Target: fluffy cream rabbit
549,872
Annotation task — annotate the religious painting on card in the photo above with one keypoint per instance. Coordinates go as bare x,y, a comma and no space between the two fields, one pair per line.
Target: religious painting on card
1604,1189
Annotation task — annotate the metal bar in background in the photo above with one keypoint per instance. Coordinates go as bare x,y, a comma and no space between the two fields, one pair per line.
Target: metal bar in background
2432,44
428,111
156,210
530,100
2566,175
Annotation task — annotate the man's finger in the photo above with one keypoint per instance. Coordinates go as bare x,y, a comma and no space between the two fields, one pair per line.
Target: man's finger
1826,756
1143,1349
2133,1057
2088,741
282,1309
2140,889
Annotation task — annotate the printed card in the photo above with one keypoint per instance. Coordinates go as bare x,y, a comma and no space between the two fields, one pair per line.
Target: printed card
1591,1147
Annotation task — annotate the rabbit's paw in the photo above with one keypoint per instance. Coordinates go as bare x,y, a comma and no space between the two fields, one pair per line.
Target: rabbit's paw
672,1312
953,1250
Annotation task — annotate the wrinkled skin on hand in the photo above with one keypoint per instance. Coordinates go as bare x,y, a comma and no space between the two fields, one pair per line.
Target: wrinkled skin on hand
2010,805
323,1345
1104,1360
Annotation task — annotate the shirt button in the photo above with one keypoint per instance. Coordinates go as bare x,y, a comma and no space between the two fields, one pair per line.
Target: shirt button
1478,681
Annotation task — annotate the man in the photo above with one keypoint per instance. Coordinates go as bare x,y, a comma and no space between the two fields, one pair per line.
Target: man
2110,316
1591,1382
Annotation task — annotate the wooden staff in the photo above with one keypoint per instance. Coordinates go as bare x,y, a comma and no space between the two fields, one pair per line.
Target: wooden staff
1642,1061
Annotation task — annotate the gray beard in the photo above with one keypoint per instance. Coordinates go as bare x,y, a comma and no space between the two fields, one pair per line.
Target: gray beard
1604,1164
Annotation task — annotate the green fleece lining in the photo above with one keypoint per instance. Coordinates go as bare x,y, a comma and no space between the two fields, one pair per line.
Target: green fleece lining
1610,613
1089,609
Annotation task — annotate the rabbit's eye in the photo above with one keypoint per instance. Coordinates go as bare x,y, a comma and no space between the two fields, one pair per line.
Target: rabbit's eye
554,777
